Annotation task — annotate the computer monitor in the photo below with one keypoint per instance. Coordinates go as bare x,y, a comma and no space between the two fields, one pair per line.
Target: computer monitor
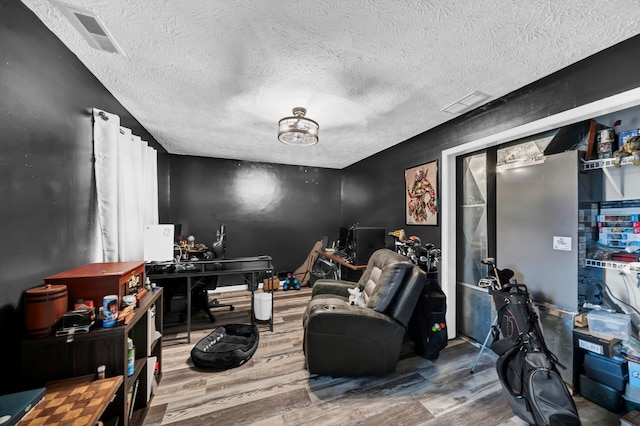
325,242
345,237
366,240
359,242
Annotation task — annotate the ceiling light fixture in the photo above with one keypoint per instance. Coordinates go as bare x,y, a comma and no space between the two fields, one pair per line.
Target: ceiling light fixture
298,130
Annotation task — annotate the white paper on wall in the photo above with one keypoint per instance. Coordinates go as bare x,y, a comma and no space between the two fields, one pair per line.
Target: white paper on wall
158,243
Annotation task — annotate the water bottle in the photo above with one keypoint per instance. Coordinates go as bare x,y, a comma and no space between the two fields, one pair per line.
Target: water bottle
131,362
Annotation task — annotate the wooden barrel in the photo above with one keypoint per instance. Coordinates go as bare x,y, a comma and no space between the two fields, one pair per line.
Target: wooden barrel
43,308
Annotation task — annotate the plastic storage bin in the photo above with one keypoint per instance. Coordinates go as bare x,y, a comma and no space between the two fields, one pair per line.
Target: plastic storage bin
262,306
610,324
612,372
603,395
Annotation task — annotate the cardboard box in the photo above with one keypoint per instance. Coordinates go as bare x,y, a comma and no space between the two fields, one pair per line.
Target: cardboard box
580,320
602,345
632,418
266,284
623,137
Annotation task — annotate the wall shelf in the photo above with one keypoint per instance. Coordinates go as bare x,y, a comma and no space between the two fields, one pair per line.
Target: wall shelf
604,163
610,264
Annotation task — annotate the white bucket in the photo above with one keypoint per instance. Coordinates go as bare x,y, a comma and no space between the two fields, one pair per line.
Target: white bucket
262,306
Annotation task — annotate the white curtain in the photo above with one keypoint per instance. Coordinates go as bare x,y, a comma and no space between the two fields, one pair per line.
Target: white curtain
126,186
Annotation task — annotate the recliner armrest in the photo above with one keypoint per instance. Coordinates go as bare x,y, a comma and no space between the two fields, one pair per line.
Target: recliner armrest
342,318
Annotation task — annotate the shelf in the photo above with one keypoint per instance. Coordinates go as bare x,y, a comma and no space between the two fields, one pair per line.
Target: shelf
51,358
604,163
610,264
139,415
139,365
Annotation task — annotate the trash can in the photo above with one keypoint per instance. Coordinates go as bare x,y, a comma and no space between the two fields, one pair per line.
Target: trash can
262,306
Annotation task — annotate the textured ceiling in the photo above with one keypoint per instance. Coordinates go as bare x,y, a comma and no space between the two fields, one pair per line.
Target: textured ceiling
212,77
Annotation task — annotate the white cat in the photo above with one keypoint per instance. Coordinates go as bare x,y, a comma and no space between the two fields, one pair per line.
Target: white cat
356,297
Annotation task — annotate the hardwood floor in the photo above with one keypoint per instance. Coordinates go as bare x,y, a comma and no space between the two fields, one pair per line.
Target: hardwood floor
273,387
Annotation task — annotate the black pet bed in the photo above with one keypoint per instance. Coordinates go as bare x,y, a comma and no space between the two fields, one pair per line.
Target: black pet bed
226,347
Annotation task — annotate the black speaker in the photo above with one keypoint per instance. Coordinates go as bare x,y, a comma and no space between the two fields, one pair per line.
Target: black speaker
366,241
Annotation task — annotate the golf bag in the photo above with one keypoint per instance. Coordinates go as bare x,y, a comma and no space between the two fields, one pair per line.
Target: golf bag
526,367
427,326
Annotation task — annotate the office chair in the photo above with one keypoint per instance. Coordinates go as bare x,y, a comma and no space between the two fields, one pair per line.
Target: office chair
200,296
200,289
219,246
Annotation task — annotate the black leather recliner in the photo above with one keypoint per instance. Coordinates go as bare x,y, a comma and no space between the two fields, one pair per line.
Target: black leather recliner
345,340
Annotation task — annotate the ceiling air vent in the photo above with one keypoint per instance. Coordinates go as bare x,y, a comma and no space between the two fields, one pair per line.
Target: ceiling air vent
91,28
467,103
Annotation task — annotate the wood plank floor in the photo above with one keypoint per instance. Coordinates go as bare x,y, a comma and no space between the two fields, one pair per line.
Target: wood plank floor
273,387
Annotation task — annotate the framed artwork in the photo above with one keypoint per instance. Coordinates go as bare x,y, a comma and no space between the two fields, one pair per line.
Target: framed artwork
421,194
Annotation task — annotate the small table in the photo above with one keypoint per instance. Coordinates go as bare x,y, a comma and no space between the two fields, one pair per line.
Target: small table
76,401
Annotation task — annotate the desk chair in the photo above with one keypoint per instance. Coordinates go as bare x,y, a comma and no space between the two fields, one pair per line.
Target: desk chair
200,296
199,291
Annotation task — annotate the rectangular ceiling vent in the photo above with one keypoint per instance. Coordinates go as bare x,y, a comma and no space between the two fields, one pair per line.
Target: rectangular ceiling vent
91,28
467,103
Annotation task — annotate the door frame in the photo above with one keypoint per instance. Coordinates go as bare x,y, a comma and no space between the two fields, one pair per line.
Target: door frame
448,208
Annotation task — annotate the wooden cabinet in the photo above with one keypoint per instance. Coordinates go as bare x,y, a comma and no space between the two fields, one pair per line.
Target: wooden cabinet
96,280
56,358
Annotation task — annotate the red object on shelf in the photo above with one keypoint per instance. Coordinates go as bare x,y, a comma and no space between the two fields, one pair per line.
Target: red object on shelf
625,257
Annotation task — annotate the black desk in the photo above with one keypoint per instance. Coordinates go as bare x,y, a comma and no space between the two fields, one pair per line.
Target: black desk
244,266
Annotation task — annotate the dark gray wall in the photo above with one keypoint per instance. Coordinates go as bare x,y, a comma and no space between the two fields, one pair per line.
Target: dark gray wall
266,208
47,185
373,190
46,181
